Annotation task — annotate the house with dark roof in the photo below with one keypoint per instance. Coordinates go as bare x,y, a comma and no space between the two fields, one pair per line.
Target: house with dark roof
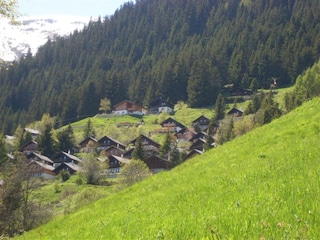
29,147
88,145
41,169
172,124
115,163
71,167
106,142
33,132
160,105
150,147
193,153
202,121
34,156
235,112
64,157
157,164
198,144
112,150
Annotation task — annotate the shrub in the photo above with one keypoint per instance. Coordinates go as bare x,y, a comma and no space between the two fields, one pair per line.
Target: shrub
65,176
133,172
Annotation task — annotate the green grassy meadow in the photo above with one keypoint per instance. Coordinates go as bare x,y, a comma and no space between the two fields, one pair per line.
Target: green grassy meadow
263,185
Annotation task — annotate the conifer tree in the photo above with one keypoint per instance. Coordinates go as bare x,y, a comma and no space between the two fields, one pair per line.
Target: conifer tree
175,156
3,151
139,152
219,108
46,142
166,146
88,131
65,139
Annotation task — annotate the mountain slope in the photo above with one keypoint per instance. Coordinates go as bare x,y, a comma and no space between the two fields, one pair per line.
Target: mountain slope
182,50
262,185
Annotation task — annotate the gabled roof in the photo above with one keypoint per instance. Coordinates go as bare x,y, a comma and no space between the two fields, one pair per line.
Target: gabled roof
147,139
235,110
106,137
69,156
199,118
198,142
88,139
192,153
156,162
41,157
121,159
129,103
72,166
28,143
160,102
170,120
72,157
32,131
43,165
113,147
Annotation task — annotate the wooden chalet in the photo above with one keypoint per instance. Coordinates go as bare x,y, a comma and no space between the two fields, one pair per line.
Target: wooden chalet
192,154
160,105
186,134
116,163
71,167
106,142
150,147
64,157
238,91
112,150
129,108
40,169
172,125
40,158
88,145
202,121
157,164
128,153
29,147
199,135
33,132
198,144
235,112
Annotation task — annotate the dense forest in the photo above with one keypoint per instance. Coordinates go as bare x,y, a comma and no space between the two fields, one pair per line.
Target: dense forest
182,49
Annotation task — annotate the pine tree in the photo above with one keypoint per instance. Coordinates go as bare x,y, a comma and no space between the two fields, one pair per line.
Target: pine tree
166,146
175,156
139,152
88,131
46,142
65,139
3,151
219,108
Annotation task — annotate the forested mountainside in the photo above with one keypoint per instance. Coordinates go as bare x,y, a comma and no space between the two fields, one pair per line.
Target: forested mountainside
182,49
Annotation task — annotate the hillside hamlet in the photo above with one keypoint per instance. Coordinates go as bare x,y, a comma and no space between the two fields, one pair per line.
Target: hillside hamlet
115,154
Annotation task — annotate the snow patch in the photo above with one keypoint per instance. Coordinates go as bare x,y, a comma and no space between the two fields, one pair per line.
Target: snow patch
33,32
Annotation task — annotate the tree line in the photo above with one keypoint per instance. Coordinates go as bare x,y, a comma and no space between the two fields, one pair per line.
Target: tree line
184,50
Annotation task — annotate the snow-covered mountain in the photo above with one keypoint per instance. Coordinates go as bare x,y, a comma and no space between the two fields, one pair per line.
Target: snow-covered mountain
32,32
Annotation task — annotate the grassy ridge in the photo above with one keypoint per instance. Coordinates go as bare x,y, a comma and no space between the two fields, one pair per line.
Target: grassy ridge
262,185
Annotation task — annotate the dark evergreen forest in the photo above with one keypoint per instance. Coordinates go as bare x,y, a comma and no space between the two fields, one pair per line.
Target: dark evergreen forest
182,49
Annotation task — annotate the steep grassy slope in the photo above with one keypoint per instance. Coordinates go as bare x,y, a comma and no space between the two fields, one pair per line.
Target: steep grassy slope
264,185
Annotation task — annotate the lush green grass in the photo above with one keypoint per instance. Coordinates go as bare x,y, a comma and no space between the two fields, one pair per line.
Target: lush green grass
263,185
69,196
